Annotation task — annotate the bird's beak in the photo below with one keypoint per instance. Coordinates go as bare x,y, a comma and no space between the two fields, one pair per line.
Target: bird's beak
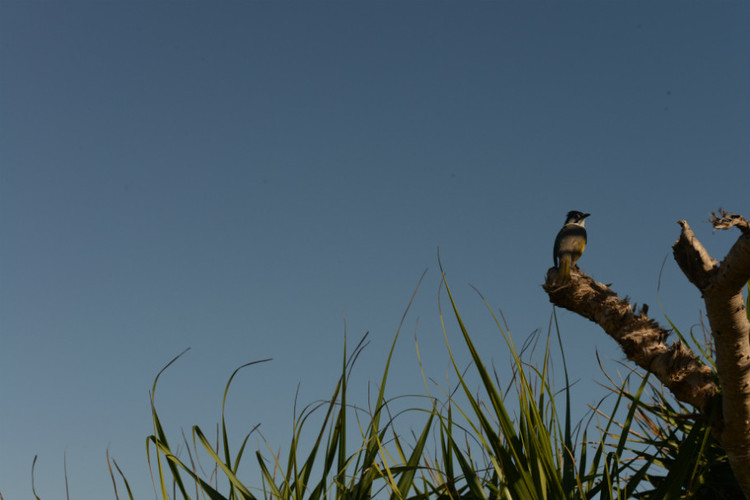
585,215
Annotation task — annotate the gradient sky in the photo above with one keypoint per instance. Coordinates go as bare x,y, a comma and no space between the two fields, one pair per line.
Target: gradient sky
237,177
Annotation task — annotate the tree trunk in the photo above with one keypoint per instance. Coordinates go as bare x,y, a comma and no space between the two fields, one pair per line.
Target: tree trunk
721,286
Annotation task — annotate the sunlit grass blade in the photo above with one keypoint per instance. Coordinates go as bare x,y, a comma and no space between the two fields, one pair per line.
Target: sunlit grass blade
451,450
407,476
363,489
160,437
224,434
173,460
225,467
569,481
112,475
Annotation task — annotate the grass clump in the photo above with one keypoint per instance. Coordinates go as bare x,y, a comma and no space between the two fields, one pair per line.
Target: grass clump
489,444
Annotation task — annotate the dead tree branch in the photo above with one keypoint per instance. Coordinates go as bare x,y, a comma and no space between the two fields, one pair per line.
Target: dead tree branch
641,338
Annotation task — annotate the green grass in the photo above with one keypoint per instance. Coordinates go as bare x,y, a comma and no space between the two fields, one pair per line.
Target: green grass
486,443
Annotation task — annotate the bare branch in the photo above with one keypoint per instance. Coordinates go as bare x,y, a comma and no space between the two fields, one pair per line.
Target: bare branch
692,258
641,338
726,220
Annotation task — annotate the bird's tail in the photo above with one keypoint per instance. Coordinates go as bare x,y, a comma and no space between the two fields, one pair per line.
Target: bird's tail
563,269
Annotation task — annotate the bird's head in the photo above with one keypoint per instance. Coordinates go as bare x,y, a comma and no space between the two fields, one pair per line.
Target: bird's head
576,217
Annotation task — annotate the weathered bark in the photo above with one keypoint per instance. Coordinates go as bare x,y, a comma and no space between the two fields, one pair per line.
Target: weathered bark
721,286
641,338
644,341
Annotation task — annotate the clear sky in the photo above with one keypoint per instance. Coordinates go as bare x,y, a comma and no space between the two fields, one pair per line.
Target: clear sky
236,177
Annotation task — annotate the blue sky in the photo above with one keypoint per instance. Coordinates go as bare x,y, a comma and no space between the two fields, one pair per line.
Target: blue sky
237,177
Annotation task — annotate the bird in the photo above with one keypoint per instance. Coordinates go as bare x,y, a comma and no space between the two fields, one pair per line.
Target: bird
569,244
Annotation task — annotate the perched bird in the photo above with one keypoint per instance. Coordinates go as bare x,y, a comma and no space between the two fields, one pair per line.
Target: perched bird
569,244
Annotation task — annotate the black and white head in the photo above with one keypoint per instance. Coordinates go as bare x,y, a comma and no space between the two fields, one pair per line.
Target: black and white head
576,217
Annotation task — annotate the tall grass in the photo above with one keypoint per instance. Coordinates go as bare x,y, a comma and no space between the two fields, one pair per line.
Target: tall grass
518,443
